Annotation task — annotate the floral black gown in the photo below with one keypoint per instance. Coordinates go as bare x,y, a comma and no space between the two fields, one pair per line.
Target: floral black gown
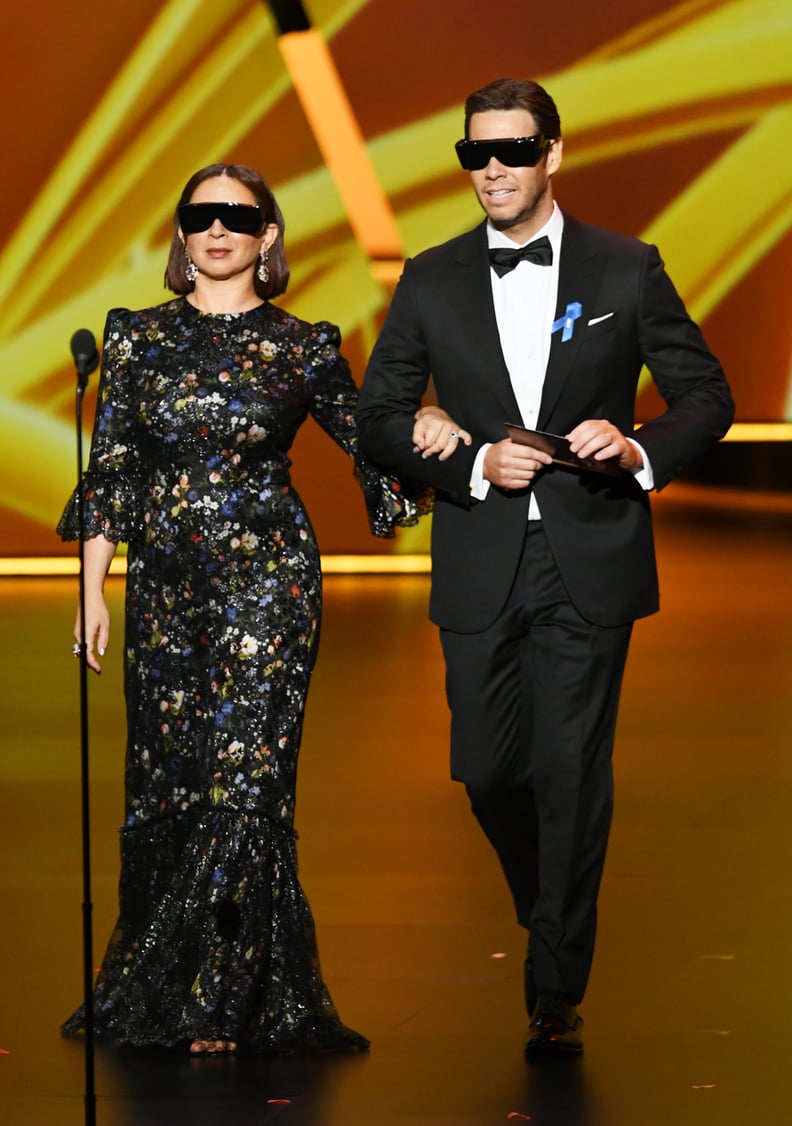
189,464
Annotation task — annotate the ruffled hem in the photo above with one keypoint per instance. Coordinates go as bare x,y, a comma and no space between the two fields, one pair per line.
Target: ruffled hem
389,503
215,941
110,509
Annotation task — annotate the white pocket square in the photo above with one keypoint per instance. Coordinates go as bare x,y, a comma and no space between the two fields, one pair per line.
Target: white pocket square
596,320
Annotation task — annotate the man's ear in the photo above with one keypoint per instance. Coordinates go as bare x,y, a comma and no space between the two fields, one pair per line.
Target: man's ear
555,155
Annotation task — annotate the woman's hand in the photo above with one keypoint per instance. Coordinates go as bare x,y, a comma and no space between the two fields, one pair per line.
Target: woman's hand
98,553
435,432
97,632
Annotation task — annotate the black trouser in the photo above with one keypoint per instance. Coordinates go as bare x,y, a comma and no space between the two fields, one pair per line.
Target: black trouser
534,700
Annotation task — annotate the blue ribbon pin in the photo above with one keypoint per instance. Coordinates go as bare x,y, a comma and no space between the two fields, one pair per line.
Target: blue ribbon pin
567,321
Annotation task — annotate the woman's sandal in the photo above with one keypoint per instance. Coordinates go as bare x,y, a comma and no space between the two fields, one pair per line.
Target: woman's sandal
213,1048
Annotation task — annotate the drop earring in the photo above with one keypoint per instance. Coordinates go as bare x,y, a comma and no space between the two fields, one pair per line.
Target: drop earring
263,269
191,271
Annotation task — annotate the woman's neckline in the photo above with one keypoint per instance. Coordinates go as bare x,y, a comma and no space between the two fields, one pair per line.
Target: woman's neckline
226,314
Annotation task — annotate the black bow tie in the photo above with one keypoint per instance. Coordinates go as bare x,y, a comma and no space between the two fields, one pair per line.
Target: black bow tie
502,258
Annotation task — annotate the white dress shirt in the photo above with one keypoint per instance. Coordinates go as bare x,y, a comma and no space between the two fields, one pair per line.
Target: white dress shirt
525,300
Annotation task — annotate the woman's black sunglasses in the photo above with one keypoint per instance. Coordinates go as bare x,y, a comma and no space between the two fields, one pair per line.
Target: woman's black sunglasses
241,218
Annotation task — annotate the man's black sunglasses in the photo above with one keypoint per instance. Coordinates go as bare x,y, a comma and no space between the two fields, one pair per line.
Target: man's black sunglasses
241,218
515,152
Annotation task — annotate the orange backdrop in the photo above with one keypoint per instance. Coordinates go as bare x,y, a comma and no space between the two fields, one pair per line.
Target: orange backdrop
674,118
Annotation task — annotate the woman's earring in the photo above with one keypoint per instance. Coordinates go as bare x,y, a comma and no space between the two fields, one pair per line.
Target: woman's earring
263,268
191,271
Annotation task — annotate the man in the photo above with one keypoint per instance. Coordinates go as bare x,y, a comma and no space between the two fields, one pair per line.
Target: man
539,569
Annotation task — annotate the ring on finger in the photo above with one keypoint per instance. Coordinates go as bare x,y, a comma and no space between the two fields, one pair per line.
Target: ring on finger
76,649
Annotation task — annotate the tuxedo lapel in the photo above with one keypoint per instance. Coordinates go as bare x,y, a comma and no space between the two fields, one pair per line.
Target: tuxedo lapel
473,298
579,278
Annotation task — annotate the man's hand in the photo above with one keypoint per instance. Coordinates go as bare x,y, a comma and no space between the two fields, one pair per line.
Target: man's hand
600,439
512,465
435,432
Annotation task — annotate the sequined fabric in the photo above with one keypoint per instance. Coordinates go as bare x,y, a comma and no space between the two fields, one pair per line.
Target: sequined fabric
189,464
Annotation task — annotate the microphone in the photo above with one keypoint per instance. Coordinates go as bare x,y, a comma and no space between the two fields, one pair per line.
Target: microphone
86,356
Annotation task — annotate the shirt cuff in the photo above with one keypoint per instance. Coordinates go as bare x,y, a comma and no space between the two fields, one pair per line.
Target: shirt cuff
479,487
645,475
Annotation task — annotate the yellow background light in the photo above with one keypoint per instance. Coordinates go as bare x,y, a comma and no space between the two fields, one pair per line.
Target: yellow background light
676,130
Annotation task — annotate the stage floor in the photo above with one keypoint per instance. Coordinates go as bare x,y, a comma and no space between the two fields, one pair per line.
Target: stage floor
685,1015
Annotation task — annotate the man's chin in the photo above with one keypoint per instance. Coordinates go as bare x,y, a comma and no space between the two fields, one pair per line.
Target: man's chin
502,224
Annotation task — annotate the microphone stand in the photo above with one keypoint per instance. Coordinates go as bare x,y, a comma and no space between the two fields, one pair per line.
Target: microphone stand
85,365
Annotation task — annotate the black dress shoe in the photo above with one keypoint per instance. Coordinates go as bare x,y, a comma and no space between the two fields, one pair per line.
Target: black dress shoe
555,1028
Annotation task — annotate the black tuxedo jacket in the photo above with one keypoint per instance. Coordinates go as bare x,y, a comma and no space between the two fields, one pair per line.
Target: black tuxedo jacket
442,323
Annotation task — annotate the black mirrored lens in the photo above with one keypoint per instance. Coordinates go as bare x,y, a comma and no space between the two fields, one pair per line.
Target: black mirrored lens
241,218
515,152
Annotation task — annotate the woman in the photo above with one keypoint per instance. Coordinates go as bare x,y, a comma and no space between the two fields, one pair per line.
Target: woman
199,402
